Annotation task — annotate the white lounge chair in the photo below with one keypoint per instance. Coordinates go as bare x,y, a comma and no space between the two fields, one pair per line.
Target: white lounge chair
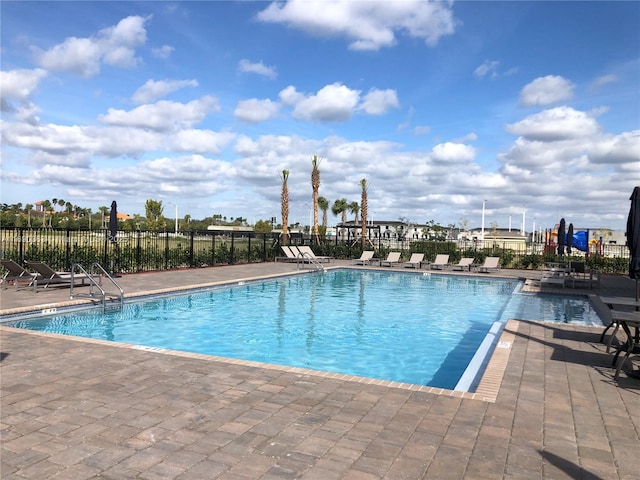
365,258
441,261
306,251
463,264
289,255
392,259
415,261
490,264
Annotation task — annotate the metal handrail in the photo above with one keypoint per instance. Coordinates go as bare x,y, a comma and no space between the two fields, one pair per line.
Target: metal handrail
316,263
120,293
93,284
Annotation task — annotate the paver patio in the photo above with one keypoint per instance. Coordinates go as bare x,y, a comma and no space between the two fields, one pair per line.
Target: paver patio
77,408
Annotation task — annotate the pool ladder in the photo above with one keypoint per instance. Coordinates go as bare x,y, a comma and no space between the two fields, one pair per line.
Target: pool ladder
302,257
97,271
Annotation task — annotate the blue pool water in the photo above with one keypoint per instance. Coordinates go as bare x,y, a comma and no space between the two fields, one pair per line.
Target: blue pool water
406,327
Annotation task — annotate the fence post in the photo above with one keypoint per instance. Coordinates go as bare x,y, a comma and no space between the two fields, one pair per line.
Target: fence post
105,258
264,247
249,248
232,249
192,236
213,249
21,245
138,251
67,252
166,251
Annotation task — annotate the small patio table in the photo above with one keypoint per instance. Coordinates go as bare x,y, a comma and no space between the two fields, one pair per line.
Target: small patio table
627,320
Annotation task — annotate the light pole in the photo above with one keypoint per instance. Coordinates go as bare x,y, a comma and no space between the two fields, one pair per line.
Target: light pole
484,202
171,203
310,216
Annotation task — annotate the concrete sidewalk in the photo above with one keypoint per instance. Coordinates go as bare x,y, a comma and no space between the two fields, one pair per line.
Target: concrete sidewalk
77,408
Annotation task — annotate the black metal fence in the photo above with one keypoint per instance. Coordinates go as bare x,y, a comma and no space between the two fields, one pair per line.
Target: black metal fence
140,251
136,251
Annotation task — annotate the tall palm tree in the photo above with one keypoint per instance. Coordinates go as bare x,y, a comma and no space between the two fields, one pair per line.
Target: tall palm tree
354,208
28,207
89,214
363,210
284,207
104,210
315,185
323,204
46,207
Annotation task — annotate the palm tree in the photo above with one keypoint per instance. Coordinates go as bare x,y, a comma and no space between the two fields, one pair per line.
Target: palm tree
28,207
284,197
323,204
103,211
340,206
89,214
46,207
315,185
354,208
363,209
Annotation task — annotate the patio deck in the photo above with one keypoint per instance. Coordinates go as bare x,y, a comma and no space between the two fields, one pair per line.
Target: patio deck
78,408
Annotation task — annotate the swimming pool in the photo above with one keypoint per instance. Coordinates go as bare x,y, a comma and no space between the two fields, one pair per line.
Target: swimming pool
407,327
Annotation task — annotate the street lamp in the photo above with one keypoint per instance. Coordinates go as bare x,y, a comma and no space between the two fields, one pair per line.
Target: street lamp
171,203
483,205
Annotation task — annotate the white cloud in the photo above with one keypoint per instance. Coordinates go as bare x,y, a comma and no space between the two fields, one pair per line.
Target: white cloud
378,102
163,115
367,25
470,137
163,52
452,153
555,124
544,91
487,68
332,103
50,138
618,149
152,90
254,110
601,82
20,84
419,130
114,46
245,66
199,141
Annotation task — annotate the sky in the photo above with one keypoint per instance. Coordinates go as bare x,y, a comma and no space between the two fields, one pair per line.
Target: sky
523,107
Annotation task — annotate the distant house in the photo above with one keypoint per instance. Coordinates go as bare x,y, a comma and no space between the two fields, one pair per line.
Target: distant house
39,207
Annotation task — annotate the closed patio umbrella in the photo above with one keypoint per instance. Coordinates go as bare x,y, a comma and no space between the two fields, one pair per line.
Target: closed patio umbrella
561,234
569,238
113,222
633,237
